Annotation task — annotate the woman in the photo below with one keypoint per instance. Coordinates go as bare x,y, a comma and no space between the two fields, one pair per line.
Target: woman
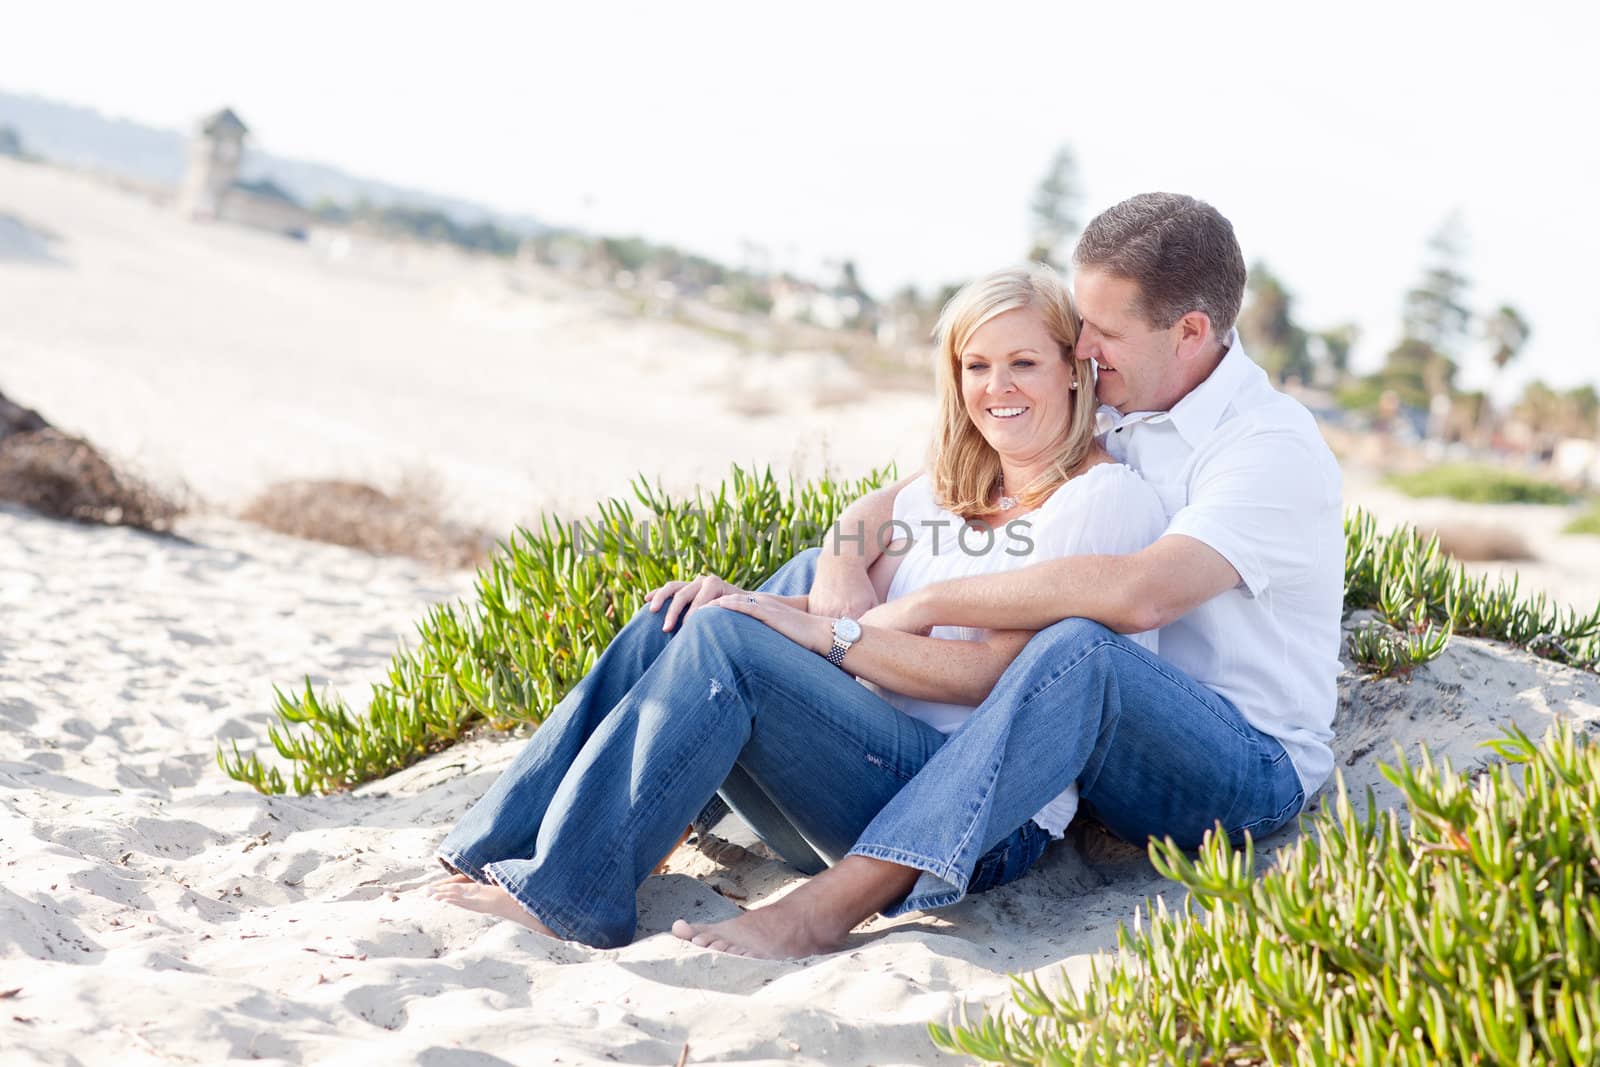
755,695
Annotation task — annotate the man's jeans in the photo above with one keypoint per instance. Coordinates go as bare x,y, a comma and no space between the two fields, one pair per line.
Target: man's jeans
821,767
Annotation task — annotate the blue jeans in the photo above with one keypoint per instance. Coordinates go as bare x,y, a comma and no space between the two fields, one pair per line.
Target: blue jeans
821,767
601,792
1154,753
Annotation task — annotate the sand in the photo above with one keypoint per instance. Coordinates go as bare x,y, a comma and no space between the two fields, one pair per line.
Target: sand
153,911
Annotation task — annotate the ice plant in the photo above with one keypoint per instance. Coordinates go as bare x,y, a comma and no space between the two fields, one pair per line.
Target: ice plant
547,604
1424,596
1466,932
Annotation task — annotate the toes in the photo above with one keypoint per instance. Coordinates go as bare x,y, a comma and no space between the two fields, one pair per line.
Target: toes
683,930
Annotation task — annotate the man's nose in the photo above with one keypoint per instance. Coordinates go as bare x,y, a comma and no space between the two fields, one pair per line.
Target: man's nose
1088,346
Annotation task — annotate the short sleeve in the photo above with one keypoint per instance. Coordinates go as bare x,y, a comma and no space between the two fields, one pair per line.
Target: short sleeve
1251,501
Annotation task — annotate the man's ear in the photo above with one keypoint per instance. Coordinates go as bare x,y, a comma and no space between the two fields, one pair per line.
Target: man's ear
1194,334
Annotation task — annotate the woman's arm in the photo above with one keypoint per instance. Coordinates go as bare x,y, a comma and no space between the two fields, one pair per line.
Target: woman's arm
923,668
842,585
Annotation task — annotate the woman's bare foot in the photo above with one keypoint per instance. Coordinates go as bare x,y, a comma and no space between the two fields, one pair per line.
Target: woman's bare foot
463,892
817,917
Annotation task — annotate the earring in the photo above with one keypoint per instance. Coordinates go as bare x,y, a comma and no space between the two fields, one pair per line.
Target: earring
1072,385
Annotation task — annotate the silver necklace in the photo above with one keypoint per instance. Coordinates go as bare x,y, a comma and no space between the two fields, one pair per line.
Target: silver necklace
1006,502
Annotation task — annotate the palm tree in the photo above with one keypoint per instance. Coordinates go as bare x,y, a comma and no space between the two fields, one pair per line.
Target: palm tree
1508,332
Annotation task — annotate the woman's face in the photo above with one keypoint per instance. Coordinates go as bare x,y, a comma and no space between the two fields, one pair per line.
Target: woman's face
1016,386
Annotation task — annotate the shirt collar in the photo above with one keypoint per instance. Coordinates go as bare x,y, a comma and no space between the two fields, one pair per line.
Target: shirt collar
1201,409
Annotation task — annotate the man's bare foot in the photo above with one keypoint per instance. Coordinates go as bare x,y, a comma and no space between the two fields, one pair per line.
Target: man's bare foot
770,933
815,918
463,892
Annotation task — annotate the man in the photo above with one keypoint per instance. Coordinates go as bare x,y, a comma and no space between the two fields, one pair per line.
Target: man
1231,723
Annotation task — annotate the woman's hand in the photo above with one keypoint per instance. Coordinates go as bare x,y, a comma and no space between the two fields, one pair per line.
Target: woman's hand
685,598
787,615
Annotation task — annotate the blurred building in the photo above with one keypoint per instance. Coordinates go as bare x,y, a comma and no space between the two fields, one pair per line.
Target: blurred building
212,190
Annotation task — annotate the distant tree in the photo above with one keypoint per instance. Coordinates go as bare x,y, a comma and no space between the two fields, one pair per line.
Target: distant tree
1435,309
1508,332
1421,369
1336,345
849,283
1270,333
11,143
1417,372
1580,412
1053,212
1539,408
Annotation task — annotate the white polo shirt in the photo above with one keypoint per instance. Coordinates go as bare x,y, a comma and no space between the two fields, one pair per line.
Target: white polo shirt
1242,468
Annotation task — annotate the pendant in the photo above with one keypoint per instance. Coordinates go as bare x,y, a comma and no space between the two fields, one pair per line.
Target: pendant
1007,502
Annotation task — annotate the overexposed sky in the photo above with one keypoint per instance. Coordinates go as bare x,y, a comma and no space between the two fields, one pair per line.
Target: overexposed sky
909,136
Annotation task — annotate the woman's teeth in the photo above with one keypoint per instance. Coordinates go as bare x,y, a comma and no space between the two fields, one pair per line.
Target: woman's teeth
1006,413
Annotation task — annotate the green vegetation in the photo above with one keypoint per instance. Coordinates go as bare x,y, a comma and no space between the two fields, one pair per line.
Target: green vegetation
1586,523
548,604
1471,935
1479,485
1422,594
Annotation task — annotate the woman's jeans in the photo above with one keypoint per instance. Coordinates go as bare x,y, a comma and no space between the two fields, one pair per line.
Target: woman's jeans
821,767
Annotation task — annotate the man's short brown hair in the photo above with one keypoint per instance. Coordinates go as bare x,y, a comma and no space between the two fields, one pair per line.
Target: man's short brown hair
1179,251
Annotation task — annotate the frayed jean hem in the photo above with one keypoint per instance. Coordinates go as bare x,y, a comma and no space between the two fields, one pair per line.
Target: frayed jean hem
564,926
940,885
460,864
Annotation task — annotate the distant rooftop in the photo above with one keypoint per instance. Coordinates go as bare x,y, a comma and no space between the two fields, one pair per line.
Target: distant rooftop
224,121
267,188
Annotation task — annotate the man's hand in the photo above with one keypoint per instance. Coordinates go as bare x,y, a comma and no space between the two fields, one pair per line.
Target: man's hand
840,591
901,614
685,598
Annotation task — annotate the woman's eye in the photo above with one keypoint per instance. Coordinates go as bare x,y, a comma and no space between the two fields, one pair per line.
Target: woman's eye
977,367
1023,363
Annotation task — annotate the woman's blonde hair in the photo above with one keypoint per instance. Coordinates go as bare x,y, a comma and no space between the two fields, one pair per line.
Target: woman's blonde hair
966,469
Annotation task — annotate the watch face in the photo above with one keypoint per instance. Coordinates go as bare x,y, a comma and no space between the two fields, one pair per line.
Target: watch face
847,630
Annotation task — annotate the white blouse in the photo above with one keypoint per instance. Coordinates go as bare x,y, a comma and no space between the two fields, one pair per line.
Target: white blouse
1106,510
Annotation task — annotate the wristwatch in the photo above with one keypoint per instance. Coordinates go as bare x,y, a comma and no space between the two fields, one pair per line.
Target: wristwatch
846,632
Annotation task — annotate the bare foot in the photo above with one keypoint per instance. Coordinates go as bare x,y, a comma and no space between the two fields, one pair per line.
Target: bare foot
463,892
817,917
770,933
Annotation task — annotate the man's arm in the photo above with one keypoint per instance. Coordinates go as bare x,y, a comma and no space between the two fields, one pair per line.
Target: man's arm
841,585
1128,594
925,668
930,668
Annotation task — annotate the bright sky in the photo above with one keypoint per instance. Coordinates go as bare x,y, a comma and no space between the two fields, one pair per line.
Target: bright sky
909,136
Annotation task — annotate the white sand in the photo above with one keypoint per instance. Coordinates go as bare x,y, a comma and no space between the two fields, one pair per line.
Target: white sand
153,911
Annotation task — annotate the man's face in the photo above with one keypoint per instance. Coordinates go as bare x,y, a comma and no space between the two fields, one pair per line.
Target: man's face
1138,364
